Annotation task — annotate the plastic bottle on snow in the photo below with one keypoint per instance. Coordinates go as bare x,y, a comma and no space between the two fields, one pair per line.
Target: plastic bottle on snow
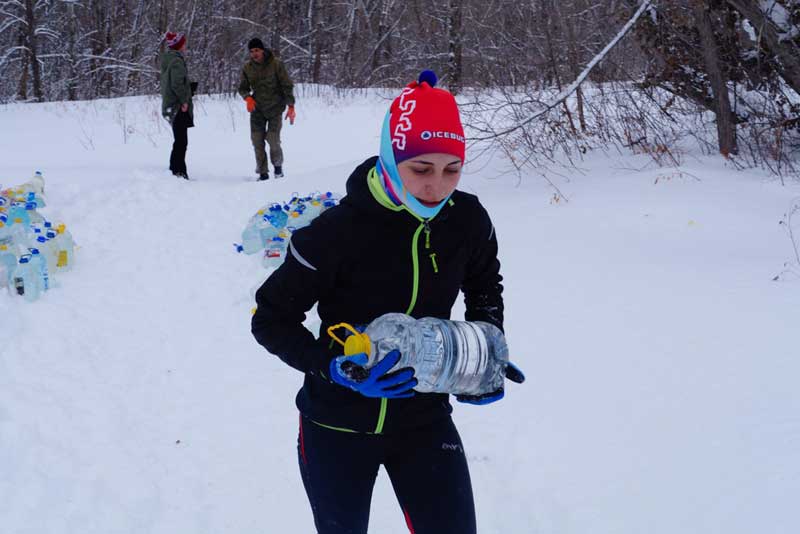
8,262
455,357
251,236
276,216
66,248
39,265
48,246
274,253
17,214
33,189
26,280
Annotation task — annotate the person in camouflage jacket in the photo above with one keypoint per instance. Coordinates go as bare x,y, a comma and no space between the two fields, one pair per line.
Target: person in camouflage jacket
176,100
267,89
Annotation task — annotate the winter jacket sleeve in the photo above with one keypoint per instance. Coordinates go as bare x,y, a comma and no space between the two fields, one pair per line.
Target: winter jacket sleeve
244,85
287,86
286,296
481,287
179,83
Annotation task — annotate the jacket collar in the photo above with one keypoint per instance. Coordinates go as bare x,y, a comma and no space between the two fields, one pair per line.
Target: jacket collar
365,193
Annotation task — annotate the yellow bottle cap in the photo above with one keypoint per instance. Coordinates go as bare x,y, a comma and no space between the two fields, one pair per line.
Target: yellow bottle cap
356,343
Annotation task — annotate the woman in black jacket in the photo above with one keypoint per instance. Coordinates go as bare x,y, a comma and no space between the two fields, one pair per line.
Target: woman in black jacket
403,239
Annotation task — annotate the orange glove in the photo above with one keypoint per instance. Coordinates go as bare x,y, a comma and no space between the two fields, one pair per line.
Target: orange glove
291,115
251,104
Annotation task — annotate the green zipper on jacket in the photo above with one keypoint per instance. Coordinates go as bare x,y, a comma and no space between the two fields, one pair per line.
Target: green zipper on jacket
375,187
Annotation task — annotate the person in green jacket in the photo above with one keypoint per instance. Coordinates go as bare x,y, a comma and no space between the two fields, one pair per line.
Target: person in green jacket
176,100
267,89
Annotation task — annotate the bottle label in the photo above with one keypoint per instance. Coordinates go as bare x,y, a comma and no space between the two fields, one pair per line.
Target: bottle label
62,258
19,285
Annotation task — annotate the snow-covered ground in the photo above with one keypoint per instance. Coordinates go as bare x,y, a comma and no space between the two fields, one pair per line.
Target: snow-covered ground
662,360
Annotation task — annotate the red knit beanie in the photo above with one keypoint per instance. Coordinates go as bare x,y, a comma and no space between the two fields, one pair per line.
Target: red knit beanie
424,119
175,40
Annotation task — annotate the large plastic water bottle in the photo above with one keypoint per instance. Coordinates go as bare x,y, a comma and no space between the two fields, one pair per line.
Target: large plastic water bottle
39,265
6,237
274,253
458,357
32,190
49,248
251,238
66,248
17,214
8,262
26,280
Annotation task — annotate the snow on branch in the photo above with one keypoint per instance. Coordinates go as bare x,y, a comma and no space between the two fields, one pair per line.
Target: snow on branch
571,88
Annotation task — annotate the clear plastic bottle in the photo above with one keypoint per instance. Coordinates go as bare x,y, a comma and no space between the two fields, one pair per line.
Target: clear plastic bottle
33,216
39,264
274,252
251,236
36,186
457,357
66,248
48,246
6,237
26,279
17,214
8,262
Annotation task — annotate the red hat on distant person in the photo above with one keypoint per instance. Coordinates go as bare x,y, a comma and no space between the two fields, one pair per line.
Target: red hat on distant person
175,40
424,119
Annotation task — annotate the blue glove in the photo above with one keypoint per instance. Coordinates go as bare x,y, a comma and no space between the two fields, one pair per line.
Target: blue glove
349,371
513,373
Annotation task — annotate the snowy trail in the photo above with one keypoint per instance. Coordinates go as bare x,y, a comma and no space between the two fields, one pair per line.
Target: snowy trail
661,358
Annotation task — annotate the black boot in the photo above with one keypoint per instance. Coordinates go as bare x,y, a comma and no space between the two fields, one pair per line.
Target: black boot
278,171
263,177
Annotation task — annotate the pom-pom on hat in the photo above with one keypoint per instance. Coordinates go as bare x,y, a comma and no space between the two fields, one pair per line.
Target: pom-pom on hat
424,119
175,40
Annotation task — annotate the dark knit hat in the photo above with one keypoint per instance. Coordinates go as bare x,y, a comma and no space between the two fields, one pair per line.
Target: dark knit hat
175,40
255,42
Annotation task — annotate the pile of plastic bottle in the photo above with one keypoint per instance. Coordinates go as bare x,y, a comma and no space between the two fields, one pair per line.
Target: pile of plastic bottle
268,231
32,249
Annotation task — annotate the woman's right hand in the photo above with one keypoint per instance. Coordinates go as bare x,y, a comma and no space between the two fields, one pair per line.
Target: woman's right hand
377,381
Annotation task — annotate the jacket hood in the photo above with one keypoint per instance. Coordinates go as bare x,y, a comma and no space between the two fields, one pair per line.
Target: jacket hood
359,196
